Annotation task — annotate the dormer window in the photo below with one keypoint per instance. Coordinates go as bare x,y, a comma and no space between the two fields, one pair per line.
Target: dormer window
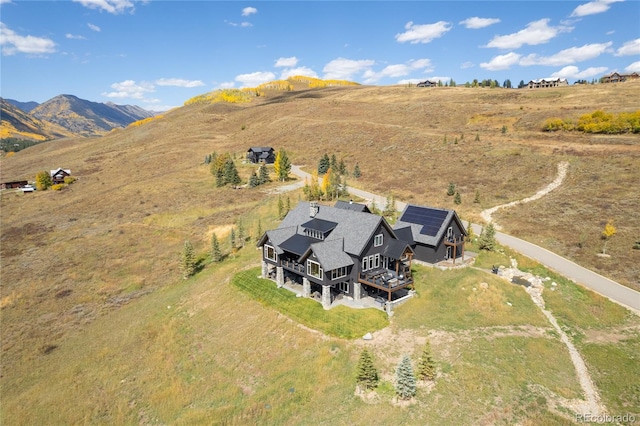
378,239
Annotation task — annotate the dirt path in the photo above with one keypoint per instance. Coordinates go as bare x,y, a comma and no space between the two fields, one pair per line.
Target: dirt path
562,173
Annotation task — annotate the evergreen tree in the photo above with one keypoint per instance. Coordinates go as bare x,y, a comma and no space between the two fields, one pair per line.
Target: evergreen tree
405,379
282,165
507,84
216,254
356,171
477,197
342,168
487,239
188,264
457,199
324,164
287,205
281,213
477,137
231,173
241,236
220,181
263,175
334,163
521,84
366,374
259,230
470,234
254,180
374,208
426,364
232,238
451,190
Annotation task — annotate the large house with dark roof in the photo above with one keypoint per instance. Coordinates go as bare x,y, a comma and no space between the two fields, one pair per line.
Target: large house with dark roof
337,250
433,234
261,154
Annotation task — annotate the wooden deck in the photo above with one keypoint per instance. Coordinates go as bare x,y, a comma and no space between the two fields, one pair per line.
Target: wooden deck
385,280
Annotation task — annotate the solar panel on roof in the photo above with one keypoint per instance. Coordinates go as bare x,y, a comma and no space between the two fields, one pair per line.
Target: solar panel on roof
430,219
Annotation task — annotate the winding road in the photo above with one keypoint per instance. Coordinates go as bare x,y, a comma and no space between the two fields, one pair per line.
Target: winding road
614,291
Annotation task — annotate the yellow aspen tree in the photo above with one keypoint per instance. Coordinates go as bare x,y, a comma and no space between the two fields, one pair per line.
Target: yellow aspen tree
608,232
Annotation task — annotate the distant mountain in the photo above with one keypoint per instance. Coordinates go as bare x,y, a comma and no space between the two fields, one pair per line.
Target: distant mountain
19,124
86,118
25,106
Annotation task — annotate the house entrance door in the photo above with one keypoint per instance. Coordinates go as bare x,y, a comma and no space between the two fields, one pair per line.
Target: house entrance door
385,262
448,254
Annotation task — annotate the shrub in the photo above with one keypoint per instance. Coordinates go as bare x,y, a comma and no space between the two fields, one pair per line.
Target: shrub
58,186
69,180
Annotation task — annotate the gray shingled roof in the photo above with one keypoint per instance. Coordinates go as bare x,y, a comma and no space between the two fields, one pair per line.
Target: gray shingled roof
349,205
278,236
330,254
431,240
355,228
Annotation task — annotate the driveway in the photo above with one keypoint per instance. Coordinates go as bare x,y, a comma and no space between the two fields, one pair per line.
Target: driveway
594,281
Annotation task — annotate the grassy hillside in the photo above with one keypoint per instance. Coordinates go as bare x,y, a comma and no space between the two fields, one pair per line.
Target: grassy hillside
93,302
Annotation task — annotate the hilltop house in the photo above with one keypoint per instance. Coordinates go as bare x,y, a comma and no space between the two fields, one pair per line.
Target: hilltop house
547,82
619,78
58,175
261,154
434,234
337,250
427,83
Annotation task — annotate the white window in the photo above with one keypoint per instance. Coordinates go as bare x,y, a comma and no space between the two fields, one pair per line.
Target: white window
377,240
376,261
339,273
314,269
365,263
269,253
449,232
344,286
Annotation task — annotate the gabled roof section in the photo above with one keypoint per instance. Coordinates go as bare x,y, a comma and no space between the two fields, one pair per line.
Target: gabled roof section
330,254
277,237
320,225
257,149
350,205
396,248
59,170
405,234
428,224
355,228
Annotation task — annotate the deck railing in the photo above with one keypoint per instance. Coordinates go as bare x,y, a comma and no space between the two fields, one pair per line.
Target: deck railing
293,266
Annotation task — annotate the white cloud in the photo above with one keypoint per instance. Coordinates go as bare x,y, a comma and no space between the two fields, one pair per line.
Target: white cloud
397,70
423,33
111,6
629,48
567,56
574,72
5,1
255,79
410,81
304,71
13,43
634,67
501,62
75,37
286,62
536,32
179,82
94,27
242,24
467,65
129,89
344,69
476,23
249,11
593,7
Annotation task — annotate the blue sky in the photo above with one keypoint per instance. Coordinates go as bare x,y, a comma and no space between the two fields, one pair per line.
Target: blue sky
157,54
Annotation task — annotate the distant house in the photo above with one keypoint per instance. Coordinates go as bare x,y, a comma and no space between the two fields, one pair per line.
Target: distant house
333,251
434,234
13,184
542,83
261,154
619,78
58,175
427,83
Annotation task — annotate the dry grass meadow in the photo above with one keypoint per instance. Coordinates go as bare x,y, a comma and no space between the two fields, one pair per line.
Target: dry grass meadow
98,327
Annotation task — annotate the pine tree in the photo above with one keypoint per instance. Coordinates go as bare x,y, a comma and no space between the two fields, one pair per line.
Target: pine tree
282,165
457,199
232,238
263,175
216,254
254,180
426,364
188,264
451,190
477,197
287,205
487,239
477,137
231,173
342,168
280,208
334,163
241,237
324,164
366,374
356,171
470,233
405,379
